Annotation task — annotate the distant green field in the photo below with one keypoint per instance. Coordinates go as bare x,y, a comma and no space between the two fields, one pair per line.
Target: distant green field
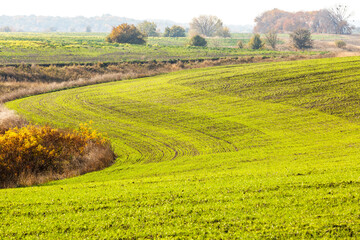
51,48
212,42
255,151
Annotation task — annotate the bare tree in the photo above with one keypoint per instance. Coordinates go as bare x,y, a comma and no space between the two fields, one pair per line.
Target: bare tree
272,39
339,17
322,22
206,25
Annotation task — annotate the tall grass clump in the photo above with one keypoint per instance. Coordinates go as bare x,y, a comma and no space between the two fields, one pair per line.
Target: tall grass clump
36,154
8,119
340,44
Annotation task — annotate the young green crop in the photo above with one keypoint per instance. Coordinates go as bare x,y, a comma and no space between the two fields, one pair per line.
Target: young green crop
266,150
52,48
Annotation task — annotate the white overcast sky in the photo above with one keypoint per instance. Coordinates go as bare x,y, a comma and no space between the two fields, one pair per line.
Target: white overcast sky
237,12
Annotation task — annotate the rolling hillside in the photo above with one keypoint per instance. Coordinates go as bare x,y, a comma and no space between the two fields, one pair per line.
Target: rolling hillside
269,150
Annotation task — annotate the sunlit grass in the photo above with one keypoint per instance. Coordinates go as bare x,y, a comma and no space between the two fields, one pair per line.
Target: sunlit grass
267,150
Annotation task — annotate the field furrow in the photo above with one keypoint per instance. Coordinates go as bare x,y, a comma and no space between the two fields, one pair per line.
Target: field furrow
269,150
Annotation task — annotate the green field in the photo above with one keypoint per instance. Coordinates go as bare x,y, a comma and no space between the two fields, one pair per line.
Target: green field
212,42
51,48
266,150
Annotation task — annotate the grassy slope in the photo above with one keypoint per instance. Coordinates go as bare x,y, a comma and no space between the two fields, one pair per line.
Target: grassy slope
260,150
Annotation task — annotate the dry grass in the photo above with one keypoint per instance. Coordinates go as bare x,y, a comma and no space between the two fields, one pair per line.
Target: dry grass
22,89
21,81
96,157
328,44
9,119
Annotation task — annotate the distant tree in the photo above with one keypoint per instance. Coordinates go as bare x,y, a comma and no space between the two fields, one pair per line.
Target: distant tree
224,32
51,29
148,28
5,29
177,31
322,22
333,20
126,33
167,32
273,19
282,21
206,25
256,42
197,40
88,29
301,39
174,31
339,17
271,38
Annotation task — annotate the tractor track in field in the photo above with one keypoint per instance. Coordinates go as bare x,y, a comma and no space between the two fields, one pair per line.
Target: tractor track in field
193,150
176,152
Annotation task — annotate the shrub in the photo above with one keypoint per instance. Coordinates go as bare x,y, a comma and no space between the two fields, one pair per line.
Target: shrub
198,41
301,39
240,44
34,152
340,44
256,42
126,33
272,39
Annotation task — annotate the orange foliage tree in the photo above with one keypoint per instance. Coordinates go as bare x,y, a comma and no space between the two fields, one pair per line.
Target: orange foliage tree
322,21
126,33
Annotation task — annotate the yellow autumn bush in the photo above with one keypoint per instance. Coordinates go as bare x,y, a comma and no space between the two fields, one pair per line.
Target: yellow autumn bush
38,151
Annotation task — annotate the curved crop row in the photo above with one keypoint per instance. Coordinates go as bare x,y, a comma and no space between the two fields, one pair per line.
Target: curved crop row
252,151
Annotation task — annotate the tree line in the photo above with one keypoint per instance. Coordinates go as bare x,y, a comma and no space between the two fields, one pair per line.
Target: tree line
205,25
102,23
200,27
333,20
